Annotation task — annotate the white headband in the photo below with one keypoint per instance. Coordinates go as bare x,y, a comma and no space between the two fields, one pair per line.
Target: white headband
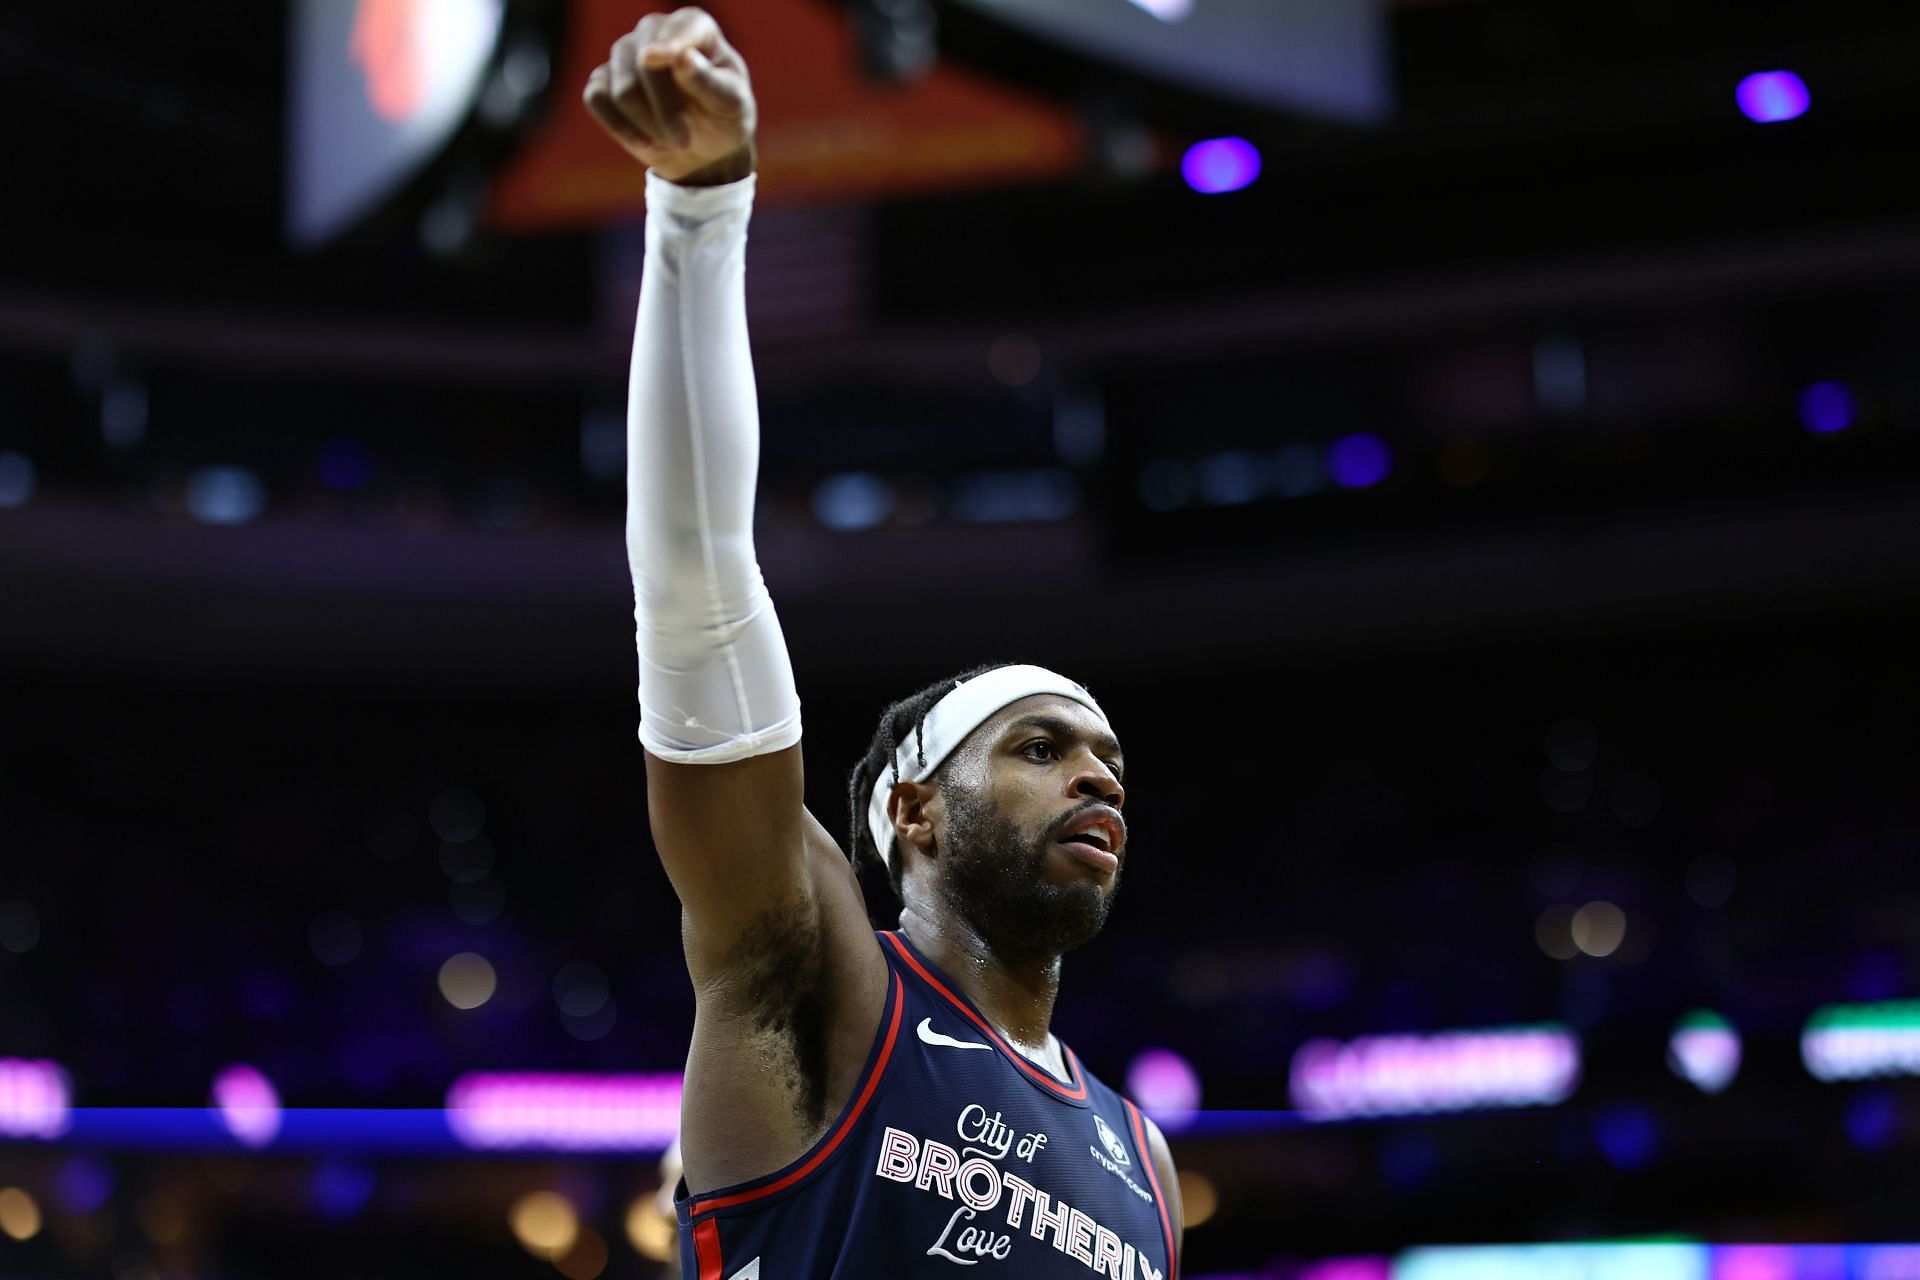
948,723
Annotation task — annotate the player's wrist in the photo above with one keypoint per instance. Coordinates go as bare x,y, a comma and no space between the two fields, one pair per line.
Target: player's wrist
718,173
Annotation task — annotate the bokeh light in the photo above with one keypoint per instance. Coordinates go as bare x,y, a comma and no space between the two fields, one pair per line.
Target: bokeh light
1359,461
1199,1198
1861,1041
1704,1050
651,1232
467,980
1444,1071
565,1112
1553,931
83,1184
580,989
1360,1268
1165,1086
592,1026
36,1098
1599,928
1230,478
225,495
1627,1135
544,1223
1827,407
18,479
340,1189
586,1259
19,1214
1218,165
247,1103
1769,97
1871,1119
849,501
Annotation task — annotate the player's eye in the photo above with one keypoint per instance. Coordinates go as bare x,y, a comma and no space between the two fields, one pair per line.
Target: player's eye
1043,745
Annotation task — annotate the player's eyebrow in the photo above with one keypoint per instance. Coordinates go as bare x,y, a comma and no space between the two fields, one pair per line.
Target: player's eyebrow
1061,729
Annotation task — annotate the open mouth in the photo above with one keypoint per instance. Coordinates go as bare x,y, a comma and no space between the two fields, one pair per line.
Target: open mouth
1090,848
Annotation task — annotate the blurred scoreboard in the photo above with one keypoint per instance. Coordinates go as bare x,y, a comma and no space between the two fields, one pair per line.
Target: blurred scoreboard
826,132
1328,58
376,88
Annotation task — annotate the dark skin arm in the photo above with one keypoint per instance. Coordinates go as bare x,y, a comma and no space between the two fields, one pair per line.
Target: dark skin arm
1169,1184
789,983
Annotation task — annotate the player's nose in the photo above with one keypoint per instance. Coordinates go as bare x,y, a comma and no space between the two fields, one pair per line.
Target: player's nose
1093,778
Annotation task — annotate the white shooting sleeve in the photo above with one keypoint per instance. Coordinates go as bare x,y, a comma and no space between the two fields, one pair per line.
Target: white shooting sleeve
716,683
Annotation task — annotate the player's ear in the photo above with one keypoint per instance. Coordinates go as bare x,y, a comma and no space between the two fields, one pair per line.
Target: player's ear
910,806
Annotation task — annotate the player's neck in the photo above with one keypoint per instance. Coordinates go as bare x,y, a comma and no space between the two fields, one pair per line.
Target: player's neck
1015,992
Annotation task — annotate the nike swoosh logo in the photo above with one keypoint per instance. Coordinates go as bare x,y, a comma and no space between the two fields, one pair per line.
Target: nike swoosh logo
928,1034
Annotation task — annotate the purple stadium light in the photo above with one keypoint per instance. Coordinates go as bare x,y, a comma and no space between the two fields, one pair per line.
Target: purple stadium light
83,1184
1220,164
1166,1087
1826,407
565,1112
1626,1135
1362,1268
1704,1050
247,1104
340,1189
36,1099
1871,1119
1861,1041
1359,461
1446,1071
1768,97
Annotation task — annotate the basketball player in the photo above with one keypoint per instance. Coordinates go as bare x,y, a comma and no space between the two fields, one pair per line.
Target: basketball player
857,1105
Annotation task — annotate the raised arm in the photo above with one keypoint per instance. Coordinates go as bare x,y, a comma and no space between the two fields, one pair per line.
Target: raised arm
720,718
789,982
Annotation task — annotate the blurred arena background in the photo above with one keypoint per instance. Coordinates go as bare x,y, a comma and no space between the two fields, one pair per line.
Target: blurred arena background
1470,446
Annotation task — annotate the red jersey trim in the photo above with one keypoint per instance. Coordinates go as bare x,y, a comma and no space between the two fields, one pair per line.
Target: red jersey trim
706,1249
821,1152
1077,1093
1153,1178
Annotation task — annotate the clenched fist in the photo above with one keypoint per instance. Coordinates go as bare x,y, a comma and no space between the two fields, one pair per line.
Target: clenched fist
675,94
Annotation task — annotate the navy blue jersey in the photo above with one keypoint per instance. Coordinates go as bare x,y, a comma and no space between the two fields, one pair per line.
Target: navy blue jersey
954,1153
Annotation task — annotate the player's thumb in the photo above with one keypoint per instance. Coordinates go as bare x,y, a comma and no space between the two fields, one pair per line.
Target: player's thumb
708,86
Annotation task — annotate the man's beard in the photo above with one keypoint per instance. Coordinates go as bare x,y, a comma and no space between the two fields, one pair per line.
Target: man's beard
996,881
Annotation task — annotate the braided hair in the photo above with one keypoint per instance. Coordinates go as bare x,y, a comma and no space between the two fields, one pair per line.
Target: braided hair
904,718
